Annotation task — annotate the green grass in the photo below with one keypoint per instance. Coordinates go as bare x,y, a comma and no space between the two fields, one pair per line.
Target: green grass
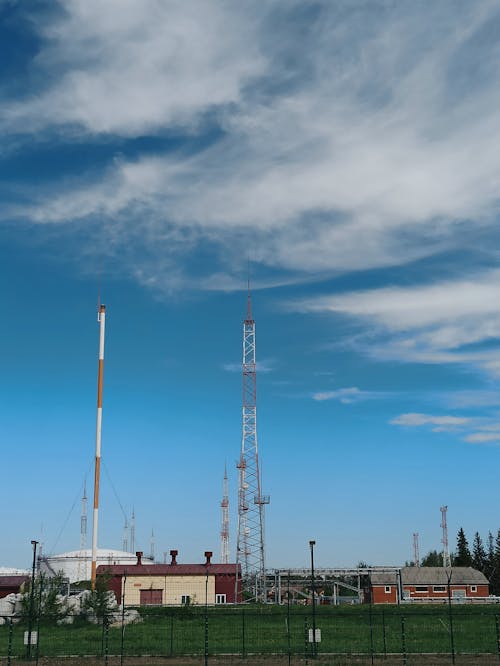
264,630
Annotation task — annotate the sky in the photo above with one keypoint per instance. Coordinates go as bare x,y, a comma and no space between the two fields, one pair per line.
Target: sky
344,155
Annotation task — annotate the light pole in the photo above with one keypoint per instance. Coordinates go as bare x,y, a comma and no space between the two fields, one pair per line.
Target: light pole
206,616
311,545
32,598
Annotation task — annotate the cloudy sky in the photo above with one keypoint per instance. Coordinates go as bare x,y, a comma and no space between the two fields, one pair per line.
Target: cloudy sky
346,155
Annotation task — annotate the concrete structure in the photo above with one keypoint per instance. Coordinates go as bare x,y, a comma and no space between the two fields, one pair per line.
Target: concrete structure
76,565
174,584
428,584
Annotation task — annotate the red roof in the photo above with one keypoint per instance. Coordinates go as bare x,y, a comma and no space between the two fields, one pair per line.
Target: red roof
169,569
12,581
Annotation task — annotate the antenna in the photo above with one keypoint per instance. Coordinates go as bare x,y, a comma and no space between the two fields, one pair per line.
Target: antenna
101,318
250,548
224,533
444,525
132,532
125,535
152,546
416,552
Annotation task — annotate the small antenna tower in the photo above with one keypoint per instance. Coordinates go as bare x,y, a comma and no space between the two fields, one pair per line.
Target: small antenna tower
444,525
82,574
416,551
224,533
152,546
125,535
132,532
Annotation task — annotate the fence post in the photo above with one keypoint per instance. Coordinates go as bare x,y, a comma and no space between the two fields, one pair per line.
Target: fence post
403,640
306,641
370,618
9,646
243,632
384,636
498,635
106,639
171,633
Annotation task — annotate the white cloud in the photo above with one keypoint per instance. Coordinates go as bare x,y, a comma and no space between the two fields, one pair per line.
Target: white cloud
343,395
440,323
482,437
415,419
129,67
357,155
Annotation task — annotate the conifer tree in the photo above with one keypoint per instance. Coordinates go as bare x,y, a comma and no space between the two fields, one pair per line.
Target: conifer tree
463,558
478,553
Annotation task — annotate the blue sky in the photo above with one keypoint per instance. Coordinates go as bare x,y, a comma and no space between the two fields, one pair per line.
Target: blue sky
349,151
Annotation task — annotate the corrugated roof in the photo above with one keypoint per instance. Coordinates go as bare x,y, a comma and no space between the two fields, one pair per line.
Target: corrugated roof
432,576
168,569
12,581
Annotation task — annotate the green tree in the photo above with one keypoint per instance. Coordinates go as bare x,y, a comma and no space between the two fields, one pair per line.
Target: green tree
463,558
46,597
432,559
100,602
479,557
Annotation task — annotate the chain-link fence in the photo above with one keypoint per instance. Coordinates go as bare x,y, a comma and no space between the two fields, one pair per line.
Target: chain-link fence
273,635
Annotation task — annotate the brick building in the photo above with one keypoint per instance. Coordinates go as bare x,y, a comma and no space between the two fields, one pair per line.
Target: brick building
174,584
428,584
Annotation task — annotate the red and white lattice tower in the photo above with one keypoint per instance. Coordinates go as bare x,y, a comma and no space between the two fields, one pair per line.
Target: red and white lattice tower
416,550
250,547
224,533
446,550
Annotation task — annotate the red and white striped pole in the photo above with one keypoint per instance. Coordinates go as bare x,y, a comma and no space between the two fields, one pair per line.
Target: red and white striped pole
101,318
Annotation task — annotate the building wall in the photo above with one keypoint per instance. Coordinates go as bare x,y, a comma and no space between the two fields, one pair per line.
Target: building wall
380,596
173,588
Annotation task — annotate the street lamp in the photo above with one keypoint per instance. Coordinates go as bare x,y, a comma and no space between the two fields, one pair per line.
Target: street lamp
311,545
32,598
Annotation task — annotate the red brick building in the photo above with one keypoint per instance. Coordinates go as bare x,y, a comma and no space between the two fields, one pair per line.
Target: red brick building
429,584
174,584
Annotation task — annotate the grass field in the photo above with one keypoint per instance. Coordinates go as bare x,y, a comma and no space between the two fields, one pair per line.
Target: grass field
271,630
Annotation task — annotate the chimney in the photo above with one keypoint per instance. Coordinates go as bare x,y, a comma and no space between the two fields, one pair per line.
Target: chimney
139,557
173,555
208,555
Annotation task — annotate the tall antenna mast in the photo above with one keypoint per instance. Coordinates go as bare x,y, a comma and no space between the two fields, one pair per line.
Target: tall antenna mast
132,532
101,318
416,552
125,535
444,525
152,546
250,548
224,533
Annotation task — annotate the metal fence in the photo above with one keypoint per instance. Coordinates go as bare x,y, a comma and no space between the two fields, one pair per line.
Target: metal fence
261,635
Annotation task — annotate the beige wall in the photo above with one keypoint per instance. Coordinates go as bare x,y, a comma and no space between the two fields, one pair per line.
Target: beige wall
174,587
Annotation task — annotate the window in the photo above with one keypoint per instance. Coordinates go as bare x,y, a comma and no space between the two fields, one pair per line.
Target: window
220,598
421,588
439,588
387,589
185,599
473,588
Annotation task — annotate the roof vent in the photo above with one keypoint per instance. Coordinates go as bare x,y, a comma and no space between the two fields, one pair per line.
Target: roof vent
208,555
173,555
139,557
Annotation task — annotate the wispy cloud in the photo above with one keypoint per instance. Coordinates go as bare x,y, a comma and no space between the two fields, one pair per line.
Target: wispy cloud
440,423
440,323
348,395
330,156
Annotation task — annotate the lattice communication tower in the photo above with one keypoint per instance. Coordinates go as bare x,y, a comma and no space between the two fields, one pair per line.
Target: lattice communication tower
446,550
250,547
224,533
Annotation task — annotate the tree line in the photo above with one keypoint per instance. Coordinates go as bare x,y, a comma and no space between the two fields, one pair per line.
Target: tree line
484,558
